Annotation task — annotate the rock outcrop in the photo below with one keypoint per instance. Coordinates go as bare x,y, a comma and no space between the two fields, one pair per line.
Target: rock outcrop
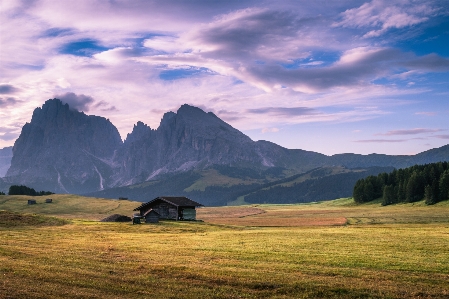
188,139
5,160
64,150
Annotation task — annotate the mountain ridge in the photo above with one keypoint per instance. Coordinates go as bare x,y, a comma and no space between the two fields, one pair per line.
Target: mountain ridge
64,150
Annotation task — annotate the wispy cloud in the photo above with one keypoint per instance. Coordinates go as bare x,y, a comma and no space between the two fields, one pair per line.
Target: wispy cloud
426,113
8,102
381,141
410,132
270,130
380,15
442,136
283,111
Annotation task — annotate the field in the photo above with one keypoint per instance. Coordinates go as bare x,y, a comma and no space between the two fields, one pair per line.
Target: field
326,250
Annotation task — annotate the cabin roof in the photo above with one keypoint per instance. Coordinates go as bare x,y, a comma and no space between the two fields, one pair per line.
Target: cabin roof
150,211
176,201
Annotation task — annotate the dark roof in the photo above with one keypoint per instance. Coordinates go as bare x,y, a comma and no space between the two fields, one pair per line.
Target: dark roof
176,201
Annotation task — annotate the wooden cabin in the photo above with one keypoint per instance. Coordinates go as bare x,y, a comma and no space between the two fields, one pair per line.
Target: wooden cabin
175,208
151,216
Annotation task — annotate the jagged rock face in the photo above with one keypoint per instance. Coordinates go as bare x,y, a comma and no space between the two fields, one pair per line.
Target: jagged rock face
190,138
64,150
5,160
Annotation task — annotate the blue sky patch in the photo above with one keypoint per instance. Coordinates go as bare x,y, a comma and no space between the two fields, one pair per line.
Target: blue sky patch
85,48
318,59
169,75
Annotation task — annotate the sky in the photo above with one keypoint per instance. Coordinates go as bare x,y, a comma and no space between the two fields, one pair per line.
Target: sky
325,76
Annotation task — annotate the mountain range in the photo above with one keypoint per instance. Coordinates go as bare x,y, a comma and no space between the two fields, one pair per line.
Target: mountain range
66,151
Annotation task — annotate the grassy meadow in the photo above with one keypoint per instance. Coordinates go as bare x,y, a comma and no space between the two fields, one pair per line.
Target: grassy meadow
325,250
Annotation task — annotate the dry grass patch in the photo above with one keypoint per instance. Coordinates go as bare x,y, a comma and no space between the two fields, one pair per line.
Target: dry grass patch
198,260
68,206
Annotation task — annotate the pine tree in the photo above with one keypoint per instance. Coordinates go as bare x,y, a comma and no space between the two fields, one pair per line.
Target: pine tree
444,186
389,196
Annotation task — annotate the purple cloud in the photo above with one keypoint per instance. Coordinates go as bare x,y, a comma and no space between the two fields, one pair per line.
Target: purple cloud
410,132
380,141
283,111
105,106
442,136
78,102
9,136
8,102
8,89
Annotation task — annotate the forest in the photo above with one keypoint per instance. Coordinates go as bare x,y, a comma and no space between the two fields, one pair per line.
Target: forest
24,190
429,182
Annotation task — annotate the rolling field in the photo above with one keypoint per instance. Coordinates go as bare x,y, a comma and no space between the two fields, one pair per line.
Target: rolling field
327,250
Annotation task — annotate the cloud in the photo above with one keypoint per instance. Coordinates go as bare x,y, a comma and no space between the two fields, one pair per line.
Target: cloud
270,130
9,136
283,111
442,136
426,113
8,89
410,132
168,44
105,106
8,102
380,141
379,16
78,102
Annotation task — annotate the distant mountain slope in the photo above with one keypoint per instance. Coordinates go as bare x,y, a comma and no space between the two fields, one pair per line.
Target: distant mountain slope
318,188
355,160
66,151
319,184
5,160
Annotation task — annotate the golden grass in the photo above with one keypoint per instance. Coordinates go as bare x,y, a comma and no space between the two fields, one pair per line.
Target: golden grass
404,255
68,206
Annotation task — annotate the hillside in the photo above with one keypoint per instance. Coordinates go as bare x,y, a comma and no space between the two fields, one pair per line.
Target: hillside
223,185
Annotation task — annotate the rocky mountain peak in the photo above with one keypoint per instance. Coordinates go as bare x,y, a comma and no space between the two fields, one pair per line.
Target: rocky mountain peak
63,149
140,131
168,116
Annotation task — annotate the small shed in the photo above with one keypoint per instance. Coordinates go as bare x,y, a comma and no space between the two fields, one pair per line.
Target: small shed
151,216
174,208
31,201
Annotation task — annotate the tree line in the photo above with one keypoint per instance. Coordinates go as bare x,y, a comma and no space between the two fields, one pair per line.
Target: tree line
429,182
24,190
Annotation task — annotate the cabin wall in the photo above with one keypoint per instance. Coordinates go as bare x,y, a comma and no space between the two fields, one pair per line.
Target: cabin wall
151,218
165,210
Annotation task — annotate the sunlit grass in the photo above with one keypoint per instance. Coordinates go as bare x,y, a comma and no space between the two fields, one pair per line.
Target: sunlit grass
90,259
68,206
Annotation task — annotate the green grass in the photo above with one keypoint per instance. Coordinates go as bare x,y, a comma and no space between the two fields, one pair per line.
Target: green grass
212,177
401,258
